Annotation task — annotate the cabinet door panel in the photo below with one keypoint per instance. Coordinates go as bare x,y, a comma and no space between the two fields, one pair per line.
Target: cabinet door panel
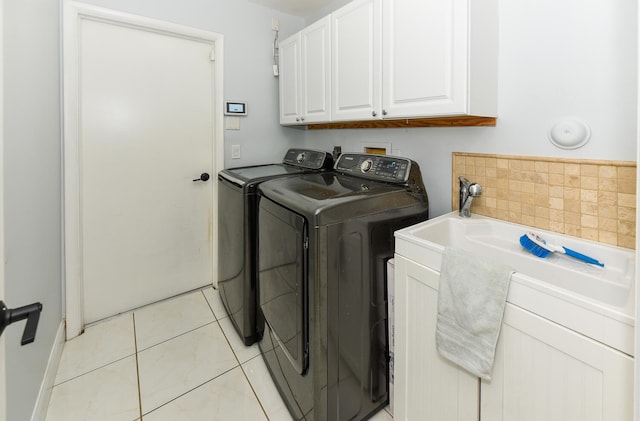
316,71
356,58
425,57
545,371
289,80
427,387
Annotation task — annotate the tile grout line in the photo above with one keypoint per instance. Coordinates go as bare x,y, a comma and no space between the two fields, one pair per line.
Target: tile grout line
135,342
210,305
240,363
253,389
93,370
214,321
190,390
264,411
177,336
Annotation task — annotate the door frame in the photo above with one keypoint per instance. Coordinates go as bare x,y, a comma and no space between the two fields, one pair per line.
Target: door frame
636,394
3,382
73,13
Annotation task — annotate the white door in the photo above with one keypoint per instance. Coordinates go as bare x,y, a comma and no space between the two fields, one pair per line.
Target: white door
146,103
3,385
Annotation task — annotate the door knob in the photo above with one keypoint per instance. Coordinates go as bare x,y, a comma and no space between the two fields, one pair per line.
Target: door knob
203,177
30,312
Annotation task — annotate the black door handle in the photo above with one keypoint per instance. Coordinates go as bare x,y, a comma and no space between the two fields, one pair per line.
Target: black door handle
203,177
30,312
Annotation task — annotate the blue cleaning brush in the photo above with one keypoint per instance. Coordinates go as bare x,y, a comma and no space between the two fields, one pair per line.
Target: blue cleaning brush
539,247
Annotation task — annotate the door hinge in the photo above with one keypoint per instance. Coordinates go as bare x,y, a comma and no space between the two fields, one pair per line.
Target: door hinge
306,243
212,56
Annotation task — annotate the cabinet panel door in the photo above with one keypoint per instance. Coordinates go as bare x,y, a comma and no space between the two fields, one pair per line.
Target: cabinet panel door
316,71
356,59
427,387
425,56
289,79
544,371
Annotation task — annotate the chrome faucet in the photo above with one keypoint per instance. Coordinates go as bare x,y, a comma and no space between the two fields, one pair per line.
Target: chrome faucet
468,191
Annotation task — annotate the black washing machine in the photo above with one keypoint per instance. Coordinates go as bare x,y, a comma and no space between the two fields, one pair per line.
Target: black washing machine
237,248
323,244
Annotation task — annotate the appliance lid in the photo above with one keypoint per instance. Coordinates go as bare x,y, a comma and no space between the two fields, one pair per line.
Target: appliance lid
244,175
321,195
295,161
360,184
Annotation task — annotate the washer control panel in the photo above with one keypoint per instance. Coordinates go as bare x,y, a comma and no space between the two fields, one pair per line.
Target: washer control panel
376,167
308,159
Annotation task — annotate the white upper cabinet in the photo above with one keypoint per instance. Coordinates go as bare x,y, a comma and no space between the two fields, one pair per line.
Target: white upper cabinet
316,71
394,59
356,55
305,75
440,58
289,69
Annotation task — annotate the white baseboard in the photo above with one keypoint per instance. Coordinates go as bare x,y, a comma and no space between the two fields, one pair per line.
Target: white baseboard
42,403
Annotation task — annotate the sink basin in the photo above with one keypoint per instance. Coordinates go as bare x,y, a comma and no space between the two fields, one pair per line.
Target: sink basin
499,240
598,302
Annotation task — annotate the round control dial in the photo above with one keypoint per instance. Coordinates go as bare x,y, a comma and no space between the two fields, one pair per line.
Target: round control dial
300,157
366,165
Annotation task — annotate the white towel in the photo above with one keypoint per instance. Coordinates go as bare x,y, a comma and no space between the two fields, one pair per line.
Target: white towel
471,300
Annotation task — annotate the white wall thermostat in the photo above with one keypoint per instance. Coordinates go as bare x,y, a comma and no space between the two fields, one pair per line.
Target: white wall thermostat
235,108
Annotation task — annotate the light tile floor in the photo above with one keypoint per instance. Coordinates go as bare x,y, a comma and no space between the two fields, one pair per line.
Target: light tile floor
178,359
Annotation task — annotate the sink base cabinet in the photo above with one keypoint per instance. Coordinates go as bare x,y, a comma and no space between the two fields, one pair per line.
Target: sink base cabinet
542,370
426,386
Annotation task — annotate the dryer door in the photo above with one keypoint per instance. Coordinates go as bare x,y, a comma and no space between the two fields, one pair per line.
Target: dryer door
282,279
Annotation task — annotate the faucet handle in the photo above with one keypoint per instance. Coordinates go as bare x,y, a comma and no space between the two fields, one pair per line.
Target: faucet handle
475,190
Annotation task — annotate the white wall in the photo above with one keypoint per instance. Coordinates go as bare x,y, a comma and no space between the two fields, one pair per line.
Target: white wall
248,41
557,58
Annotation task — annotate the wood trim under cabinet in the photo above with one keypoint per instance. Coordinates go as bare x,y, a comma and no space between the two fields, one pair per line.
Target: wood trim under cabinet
458,121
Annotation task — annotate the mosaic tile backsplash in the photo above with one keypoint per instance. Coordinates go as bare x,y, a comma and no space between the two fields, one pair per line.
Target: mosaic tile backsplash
594,200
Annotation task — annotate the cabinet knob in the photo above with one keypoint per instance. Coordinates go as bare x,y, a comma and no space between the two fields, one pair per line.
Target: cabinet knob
373,113
301,118
297,118
384,112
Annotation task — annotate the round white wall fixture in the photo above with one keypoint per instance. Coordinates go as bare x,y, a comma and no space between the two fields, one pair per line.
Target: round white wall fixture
569,133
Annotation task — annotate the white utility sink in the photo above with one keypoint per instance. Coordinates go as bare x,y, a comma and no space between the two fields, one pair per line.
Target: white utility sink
608,291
